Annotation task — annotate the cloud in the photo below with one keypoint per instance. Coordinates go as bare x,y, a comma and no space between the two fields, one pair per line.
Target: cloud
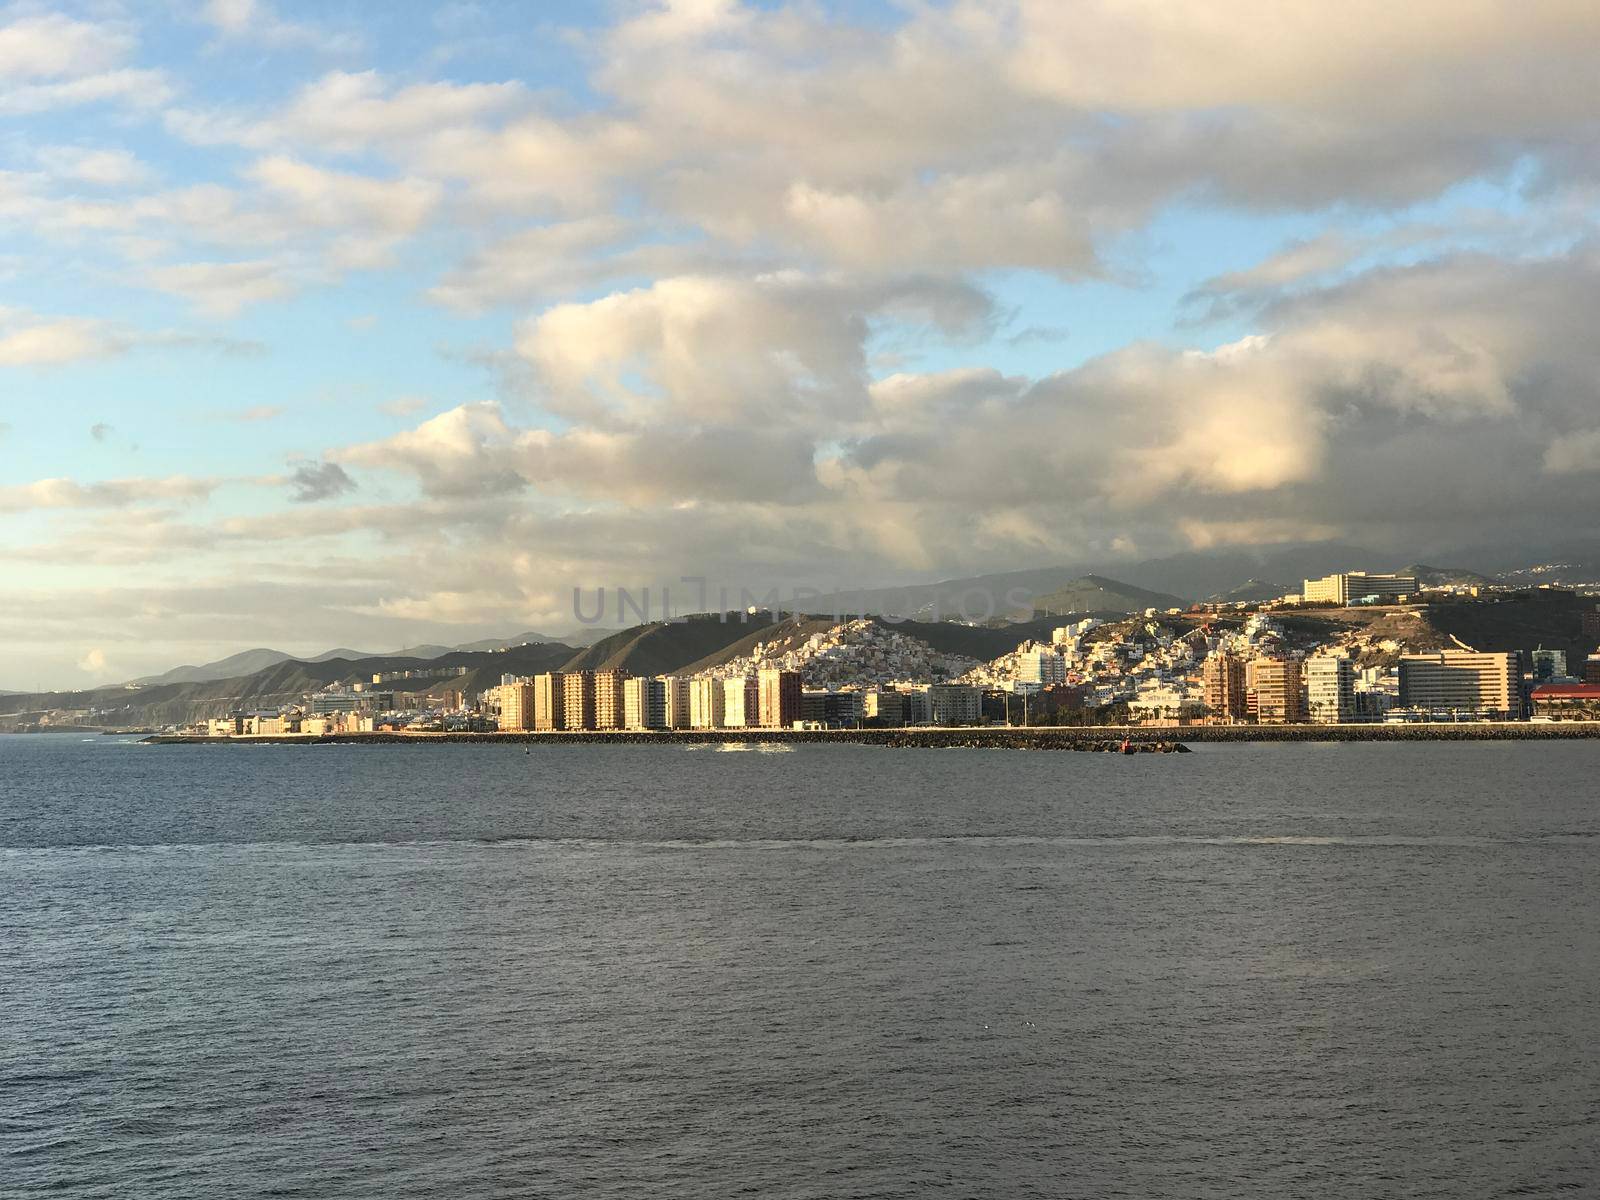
112,493
260,25
224,289
107,168
100,431
93,661
313,481
30,341
54,46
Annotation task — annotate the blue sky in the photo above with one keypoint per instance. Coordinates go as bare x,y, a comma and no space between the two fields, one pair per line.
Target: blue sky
370,325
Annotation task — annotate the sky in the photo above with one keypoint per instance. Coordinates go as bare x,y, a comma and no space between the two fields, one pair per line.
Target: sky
368,325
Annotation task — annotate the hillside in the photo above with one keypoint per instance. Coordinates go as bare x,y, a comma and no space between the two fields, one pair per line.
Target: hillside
1097,594
1252,591
278,684
1446,576
663,647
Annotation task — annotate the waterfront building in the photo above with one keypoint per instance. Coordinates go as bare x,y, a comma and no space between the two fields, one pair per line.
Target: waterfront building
1591,669
516,706
1567,701
1548,665
883,707
778,699
831,709
1223,686
706,703
549,700
577,700
677,687
1279,691
644,703
1590,622
608,701
1330,689
1351,586
1041,667
1462,681
954,704
741,702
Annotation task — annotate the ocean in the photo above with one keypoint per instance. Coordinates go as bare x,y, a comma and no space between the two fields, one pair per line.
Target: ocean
1362,970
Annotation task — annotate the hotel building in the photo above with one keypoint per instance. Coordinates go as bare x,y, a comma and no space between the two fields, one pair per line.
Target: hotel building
1344,589
1462,681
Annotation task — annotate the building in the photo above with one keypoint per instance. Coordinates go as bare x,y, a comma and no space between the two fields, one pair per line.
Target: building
1462,682
644,703
741,702
1279,691
1548,665
954,704
1567,701
831,709
1354,586
677,687
608,701
1330,689
1591,669
778,698
1590,622
549,700
705,703
1042,667
1223,687
516,706
577,700
883,708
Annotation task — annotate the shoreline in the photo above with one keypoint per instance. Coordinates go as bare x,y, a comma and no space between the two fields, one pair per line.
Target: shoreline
1089,737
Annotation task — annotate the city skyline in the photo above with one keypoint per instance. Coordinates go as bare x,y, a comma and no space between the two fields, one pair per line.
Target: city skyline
350,327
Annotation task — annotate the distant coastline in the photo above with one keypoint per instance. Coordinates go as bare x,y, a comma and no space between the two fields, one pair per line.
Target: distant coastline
976,737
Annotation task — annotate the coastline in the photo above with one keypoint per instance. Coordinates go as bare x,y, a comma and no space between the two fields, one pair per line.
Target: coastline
1088,738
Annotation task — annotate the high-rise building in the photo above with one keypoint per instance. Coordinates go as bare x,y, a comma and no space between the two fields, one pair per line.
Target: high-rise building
779,698
1462,681
1330,689
1548,665
1043,667
954,704
1280,694
884,707
677,700
577,700
1591,668
835,710
644,703
741,702
1350,586
608,702
1222,679
1590,622
549,700
705,703
516,706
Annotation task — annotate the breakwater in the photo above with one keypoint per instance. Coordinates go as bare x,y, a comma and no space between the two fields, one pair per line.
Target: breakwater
1141,739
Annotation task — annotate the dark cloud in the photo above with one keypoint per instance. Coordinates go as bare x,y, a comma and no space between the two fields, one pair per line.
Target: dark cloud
311,481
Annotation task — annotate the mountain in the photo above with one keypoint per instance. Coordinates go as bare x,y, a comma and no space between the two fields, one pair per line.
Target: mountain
1252,591
1097,594
246,662
666,647
1445,576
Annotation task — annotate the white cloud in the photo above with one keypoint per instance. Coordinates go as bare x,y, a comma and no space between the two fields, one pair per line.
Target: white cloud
112,493
224,289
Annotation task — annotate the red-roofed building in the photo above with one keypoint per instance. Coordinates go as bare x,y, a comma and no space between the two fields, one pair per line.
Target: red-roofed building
1567,701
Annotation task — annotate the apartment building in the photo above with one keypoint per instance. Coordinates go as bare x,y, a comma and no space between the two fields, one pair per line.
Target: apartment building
1330,689
706,704
549,700
608,700
577,700
1279,690
1223,687
778,698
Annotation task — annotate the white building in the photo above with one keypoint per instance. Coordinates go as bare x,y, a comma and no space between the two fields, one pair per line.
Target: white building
1330,689
954,704
644,703
741,703
706,703
1043,667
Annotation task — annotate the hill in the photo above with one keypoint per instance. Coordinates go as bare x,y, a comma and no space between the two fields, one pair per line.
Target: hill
1097,594
667,647
1252,591
246,662
1446,576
